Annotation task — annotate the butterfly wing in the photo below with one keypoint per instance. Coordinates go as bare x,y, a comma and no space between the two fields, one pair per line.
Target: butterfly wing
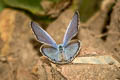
50,52
42,35
71,30
71,50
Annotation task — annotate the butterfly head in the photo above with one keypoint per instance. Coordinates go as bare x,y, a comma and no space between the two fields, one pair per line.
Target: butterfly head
60,48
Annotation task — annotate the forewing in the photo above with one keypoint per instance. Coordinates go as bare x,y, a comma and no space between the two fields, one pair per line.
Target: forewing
42,35
71,30
71,50
50,52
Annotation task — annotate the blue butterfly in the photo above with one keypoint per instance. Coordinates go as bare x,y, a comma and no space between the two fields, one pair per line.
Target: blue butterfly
61,53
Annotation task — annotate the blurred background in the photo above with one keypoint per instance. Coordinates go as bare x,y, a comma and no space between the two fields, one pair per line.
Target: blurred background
50,9
99,32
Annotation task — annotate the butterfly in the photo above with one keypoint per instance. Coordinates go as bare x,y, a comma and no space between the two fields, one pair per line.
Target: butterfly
59,53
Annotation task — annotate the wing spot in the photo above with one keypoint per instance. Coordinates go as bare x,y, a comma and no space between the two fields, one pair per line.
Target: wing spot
54,59
70,57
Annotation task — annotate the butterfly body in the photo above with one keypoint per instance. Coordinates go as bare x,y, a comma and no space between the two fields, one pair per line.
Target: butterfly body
59,53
